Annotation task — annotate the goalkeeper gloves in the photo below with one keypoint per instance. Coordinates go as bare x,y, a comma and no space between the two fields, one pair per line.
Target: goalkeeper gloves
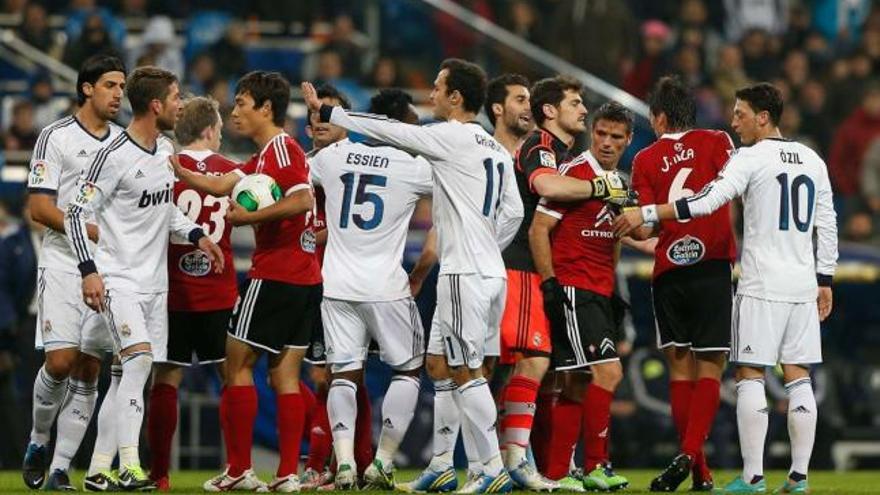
555,302
611,188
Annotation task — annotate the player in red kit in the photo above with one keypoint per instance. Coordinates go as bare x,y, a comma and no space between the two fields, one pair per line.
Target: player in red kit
199,300
278,307
692,273
577,276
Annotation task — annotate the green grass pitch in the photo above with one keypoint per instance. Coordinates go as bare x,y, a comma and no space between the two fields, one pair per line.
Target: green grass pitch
821,482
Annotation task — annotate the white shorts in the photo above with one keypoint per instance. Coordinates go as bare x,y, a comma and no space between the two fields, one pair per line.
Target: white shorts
766,333
349,326
467,320
138,319
63,319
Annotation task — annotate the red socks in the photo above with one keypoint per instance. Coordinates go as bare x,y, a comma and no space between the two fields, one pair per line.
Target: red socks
239,407
161,423
320,439
597,417
542,427
290,421
363,430
566,417
519,410
693,410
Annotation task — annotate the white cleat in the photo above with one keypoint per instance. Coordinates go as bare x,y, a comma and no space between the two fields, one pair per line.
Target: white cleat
346,478
247,482
525,476
287,484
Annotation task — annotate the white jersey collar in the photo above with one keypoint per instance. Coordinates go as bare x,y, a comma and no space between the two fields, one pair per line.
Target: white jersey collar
197,155
675,136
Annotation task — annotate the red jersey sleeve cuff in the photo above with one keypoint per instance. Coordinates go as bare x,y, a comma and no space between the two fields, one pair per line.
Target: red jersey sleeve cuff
540,171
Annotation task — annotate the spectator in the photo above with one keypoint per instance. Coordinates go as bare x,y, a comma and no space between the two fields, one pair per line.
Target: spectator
796,69
746,15
342,41
849,79
871,184
386,74
47,109
94,40
22,134
729,76
34,29
14,7
159,45
849,146
840,21
695,31
689,65
814,114
202,72
653,61
758,60
228,52
331,71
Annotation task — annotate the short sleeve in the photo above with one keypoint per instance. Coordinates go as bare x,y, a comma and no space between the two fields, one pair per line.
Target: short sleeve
291,172
314,163
724,149
641,181
537,160
46,165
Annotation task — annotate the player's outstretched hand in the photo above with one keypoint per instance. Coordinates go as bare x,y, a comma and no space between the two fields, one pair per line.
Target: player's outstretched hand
629,220
93,291
236,215
825,302
311,96
611,188
215,254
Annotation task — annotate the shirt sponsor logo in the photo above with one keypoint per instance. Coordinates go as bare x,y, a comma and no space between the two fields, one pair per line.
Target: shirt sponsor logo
195,263
307,241
38,173
156,198
547,159
686,251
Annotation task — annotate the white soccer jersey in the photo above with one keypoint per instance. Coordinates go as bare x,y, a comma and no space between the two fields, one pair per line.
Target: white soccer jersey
63,150
131,191
370,193
476,205
786,195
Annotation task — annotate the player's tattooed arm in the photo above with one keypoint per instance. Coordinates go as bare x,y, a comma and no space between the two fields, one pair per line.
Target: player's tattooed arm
295,204
213,185
425,264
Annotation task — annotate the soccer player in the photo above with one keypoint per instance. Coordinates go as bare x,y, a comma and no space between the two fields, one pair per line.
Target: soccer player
785,289
199,300
276,312
128,186
366,291
72,335
476,211
577,280
692,270
508,110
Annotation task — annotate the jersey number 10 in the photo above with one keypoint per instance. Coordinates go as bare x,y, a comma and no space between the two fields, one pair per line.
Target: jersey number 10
789,199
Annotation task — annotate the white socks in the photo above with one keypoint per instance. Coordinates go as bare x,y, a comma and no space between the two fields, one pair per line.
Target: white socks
106,444
342,411
447,420
130,405
73,420
475,464
802,413
479,409
751,420
48,396
398,409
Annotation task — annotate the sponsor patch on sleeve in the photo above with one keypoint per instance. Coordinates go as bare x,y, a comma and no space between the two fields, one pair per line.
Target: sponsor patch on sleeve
547,159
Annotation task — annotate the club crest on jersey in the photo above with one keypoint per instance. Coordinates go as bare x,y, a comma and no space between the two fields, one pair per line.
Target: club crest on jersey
86,193
47,326
308,241
547,159
125,330
195,263
686,251
38,173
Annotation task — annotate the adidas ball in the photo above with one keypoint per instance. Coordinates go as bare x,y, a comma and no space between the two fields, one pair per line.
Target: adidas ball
255,192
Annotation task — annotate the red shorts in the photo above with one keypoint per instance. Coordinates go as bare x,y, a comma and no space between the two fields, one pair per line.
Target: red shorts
525,330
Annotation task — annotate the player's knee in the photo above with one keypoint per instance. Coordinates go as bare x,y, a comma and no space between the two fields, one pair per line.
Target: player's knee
60,363
532,367
413,367
608,375
436,367
87,368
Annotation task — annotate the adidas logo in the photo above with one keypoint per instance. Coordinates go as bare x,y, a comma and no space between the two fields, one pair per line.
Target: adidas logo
139,175
82,154
801,409
765,410
445,431
387,423
340,427
747,350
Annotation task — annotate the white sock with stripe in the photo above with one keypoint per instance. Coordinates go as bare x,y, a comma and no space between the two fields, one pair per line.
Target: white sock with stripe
398,409
342,411
105,442
73,421
802,415
479,409
447,421
48,396
130,405
751,420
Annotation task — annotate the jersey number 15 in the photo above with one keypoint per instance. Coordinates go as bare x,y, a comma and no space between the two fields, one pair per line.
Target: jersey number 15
360,197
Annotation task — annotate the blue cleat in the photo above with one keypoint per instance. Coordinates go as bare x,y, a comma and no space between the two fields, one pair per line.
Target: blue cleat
58,481
793,487
432,481
491,484
33,469
739,485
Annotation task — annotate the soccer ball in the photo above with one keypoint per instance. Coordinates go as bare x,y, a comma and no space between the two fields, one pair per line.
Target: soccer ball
255,192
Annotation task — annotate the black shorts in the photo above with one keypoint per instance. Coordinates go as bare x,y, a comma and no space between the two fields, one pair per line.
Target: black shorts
317,353
588,335
272,316
199,333
692,306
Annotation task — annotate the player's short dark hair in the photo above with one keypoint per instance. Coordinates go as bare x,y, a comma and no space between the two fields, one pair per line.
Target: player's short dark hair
672,97
763,97
551,91
468,79
146,84
198,114
614,112
496,91
92,69
392,103
329,91
266,86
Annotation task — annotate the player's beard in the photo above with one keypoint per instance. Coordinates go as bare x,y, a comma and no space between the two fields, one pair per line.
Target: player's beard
165,123
517,127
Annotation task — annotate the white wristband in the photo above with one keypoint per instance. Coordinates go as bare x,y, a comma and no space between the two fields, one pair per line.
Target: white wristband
649,214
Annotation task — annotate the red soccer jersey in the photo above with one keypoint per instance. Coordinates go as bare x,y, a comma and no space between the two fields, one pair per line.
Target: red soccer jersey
285,249
192,283
679,165
320,222
583,240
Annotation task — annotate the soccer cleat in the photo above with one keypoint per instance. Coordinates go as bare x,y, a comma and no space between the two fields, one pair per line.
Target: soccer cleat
674,474
738,485
133,479
432,481
490,484
793,487
603,479
346,478
525,476
33,468
377,478
58,481
105,481
312,479
471,483
287,484
571,484
703,485
247,482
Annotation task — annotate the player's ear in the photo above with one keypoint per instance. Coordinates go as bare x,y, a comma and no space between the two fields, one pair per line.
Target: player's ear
550,111
309,132
88,89
497,109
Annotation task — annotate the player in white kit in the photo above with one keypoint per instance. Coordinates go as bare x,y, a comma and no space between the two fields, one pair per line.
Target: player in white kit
476,212
785,290
129,188
371,191
72,335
